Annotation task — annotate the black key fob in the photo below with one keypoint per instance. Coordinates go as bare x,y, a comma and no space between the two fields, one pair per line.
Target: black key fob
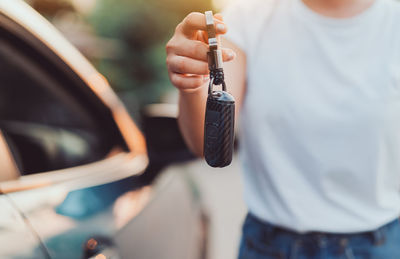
220,107
219,129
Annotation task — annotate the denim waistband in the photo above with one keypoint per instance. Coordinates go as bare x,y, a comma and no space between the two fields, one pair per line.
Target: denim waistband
377,236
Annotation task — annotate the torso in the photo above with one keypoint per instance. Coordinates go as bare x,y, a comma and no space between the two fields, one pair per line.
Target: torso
320,127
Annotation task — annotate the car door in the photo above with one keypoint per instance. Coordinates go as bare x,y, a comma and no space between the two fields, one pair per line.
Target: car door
74,147
17,238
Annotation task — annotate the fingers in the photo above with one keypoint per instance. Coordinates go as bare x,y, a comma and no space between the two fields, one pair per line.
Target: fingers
196,21
187,81
185,65
218,16
197,50
228,54
188,73
187,51
192,49
196,68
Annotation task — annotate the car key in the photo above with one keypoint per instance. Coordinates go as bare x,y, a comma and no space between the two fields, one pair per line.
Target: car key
220,107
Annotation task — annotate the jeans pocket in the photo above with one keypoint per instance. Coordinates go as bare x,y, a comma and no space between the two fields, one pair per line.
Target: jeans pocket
349,254
255,249
352,253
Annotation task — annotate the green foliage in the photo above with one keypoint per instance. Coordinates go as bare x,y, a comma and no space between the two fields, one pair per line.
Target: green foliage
142,27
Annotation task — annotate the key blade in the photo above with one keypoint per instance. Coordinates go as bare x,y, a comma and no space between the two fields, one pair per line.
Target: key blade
209,18
210,24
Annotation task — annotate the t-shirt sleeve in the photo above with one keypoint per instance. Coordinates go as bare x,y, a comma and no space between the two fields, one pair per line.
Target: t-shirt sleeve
245,20
235,17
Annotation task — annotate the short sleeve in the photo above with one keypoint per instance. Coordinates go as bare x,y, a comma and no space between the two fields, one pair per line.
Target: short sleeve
244,19
235,17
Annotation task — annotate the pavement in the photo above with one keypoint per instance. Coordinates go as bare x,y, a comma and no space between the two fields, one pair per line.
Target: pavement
222,193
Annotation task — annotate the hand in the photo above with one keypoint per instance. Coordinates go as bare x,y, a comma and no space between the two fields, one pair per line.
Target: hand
187,51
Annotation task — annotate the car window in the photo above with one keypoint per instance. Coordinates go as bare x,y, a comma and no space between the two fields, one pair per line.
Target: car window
46,127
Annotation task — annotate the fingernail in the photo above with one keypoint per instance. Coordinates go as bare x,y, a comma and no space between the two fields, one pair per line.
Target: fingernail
220,27
231,54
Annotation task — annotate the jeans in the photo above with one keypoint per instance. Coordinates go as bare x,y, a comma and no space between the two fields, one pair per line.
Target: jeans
263,240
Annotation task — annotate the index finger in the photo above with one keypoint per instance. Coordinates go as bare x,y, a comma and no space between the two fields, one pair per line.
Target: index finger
196,21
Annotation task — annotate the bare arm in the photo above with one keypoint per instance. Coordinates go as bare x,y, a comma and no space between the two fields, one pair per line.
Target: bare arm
188,69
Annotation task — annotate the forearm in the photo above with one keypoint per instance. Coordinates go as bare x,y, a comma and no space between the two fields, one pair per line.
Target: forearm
192,105
187,65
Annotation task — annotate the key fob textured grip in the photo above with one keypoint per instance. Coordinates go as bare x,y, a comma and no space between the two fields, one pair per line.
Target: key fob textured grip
219,129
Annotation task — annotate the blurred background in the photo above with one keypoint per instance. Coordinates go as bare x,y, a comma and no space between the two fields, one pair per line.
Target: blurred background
125,40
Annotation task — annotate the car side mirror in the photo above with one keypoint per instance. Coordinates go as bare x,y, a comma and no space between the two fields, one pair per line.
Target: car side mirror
165,144
8,166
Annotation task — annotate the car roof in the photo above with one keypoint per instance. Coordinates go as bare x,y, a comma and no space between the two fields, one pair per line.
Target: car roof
25,16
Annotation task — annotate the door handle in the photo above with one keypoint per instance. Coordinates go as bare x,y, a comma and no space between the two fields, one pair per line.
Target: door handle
100,247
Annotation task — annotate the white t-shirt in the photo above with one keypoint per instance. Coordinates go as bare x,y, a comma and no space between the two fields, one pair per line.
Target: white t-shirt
320,124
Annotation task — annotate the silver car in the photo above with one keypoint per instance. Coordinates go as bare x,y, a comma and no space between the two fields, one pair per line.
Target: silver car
76,180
